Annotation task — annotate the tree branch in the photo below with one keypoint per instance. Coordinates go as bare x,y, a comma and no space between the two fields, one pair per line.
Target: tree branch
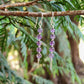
39,14
18,4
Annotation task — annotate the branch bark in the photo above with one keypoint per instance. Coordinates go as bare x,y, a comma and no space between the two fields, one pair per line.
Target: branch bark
18,4
39,14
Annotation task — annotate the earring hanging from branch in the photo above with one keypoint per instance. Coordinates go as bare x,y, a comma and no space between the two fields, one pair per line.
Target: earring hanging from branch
39,37
52,42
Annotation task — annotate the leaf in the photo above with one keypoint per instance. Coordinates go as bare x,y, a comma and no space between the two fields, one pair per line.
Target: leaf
41,80
3,38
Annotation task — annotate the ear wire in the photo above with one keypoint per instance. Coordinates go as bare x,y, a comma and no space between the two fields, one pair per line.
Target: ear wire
40,23
52,22
36,21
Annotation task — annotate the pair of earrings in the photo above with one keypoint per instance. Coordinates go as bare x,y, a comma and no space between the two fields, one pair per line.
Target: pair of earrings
52,42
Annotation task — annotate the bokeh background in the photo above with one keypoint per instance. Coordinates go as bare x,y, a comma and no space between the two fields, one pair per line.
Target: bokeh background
18,62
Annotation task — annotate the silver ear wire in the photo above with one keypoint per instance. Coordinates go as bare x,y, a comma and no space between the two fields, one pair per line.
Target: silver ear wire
40,23
52,23
36,21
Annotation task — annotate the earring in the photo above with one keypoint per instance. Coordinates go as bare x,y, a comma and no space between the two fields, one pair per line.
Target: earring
39,37
52,42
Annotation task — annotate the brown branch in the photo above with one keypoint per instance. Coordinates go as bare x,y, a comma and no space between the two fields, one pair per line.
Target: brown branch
35,14
18,4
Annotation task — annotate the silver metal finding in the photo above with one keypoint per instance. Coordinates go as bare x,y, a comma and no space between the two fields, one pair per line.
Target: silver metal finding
36,21
52,23
40,23
40,28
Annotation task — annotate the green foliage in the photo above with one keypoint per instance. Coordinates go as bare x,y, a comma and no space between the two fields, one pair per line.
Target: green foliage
7,76
3,33
40,80
20,32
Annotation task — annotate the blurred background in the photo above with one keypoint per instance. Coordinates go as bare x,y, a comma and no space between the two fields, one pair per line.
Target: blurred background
18,62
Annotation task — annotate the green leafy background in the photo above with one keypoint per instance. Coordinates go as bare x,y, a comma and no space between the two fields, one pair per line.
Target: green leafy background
20,33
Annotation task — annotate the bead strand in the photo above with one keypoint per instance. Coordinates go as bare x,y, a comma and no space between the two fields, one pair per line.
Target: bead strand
39,37
52,42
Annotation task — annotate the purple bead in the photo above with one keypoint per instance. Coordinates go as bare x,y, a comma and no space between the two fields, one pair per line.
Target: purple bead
52,49
51,55
38,49
52,43
52,30
39,36
39,43
40,30
39,55
52,36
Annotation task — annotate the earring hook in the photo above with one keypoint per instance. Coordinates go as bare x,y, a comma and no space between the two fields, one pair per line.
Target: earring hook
36,22
52,23
40,23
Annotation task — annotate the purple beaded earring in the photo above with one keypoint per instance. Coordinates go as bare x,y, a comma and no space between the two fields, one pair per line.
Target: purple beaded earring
39,37
52,42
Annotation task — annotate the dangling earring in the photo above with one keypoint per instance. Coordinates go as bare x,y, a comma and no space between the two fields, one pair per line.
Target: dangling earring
39,37
52,42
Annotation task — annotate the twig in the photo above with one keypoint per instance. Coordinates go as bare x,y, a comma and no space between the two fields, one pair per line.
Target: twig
18,4
39,14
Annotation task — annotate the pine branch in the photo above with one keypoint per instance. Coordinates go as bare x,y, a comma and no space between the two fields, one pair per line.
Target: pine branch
18,4
39,14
